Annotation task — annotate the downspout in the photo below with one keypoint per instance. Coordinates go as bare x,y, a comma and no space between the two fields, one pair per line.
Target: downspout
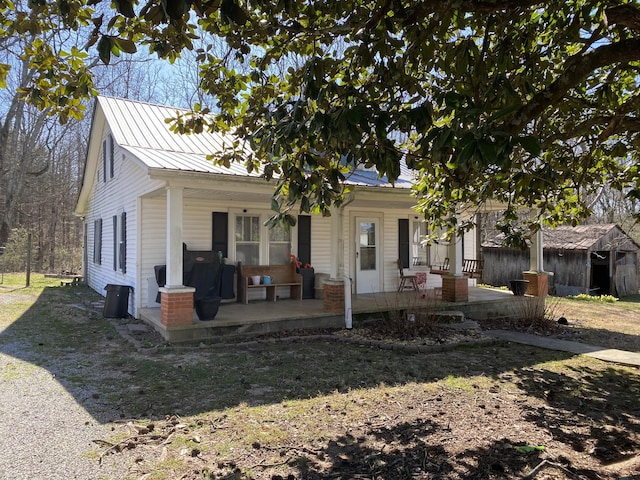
348,318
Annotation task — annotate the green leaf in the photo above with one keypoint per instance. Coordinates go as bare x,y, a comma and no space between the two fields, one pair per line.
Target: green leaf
125,45
531,144
125,7
104,49
4,71
529,448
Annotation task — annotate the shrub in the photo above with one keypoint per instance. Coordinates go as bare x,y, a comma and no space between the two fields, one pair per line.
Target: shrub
583,297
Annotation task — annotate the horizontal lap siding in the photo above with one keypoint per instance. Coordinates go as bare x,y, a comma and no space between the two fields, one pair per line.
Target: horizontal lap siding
116,195
390,249
196,222
196,228
321,244
153,244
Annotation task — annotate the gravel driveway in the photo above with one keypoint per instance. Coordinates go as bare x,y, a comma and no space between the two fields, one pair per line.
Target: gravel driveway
45,434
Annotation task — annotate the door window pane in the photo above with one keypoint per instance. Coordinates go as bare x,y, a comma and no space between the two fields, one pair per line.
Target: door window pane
367,246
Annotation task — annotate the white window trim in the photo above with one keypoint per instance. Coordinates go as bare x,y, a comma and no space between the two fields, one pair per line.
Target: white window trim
117,237
263,215
414,247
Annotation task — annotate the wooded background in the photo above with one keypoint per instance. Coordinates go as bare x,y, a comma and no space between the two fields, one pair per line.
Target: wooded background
42,161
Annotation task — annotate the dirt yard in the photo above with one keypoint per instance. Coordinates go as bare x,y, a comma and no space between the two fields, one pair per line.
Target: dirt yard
334,406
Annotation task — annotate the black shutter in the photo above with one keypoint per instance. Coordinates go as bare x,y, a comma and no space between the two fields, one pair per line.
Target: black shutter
111,156
123,242
115,242
220,233
304,238
97,241
403,241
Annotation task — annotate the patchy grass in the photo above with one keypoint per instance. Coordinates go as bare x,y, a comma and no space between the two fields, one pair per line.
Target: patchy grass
323,409
611,325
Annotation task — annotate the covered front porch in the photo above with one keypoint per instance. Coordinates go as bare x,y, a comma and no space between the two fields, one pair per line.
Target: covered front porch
364,241
262,317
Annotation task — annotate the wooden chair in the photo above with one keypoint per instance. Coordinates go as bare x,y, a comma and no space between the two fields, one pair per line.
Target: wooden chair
406,281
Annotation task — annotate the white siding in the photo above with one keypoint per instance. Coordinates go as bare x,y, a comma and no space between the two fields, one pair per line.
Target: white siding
153,244
321,244
469,244
113,197
196,223
391,250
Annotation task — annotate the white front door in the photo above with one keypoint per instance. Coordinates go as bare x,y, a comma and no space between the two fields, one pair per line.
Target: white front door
368,254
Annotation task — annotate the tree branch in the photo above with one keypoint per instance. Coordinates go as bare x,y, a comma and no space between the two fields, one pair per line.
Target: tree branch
577,69
624,15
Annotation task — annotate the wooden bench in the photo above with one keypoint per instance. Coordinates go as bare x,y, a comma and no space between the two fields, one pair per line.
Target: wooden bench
441,269
281,276
470,268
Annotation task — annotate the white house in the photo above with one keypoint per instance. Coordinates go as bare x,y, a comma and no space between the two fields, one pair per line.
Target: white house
147,191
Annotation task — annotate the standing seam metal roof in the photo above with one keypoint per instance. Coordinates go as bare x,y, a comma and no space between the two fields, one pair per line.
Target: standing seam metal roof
140,128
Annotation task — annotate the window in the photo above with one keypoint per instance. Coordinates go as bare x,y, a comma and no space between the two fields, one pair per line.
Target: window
104,161
279,245
419,249
120,242
97,241
115,242
111,156
247,236
107,158
256,244
123,243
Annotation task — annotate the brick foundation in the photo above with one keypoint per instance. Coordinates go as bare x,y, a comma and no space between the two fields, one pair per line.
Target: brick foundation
333,296
176,307
538,283
455,289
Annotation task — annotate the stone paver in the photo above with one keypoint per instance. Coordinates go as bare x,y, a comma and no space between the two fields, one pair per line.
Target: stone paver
601,353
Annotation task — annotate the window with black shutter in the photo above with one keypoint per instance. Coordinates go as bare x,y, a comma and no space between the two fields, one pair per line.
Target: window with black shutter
403,241
123,242
97,241
304,239
111,157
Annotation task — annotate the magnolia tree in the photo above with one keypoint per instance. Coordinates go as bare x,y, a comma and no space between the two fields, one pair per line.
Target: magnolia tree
529,103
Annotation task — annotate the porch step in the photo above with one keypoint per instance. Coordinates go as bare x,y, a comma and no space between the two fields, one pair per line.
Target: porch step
449,316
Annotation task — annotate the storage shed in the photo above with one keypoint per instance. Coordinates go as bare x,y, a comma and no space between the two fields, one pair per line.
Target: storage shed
598,259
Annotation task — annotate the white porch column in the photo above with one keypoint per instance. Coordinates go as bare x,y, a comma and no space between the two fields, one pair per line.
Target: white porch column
337,243
455,254
536,252
536,276
455,286
174,237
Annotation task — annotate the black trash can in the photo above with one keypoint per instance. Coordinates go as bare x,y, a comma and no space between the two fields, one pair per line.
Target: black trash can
308,282
116,304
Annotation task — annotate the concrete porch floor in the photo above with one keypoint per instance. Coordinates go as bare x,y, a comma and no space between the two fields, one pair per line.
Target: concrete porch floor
260,316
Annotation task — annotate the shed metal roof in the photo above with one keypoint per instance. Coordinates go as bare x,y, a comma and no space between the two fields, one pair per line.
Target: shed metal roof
140,128
607,236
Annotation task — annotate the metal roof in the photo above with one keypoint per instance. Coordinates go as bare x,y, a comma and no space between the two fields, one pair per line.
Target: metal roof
581,237
141,129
